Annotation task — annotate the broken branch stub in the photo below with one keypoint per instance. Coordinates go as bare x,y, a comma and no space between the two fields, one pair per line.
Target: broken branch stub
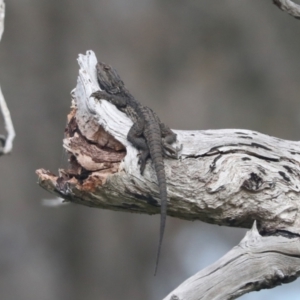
227,177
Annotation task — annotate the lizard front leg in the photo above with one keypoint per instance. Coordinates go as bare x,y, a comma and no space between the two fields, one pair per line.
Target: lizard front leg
118,101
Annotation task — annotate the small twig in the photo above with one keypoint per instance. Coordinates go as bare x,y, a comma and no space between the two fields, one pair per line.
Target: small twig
3,106
290,7
54,202
2,15
8,125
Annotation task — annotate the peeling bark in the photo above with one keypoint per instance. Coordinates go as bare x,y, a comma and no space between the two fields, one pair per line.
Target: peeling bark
226,177
229,177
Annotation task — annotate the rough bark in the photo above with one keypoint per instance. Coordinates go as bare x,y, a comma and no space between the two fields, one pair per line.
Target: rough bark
227,177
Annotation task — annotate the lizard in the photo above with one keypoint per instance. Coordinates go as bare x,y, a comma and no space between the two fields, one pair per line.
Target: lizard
148,134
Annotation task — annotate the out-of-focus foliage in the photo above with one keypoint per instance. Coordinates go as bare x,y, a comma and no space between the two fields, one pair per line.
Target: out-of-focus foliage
199,64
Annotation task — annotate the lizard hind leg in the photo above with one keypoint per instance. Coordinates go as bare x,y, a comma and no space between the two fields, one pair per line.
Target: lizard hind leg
144,155
168,138
136,138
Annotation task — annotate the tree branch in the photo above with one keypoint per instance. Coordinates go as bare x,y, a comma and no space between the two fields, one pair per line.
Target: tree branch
289,6
255,263
227,177
7,143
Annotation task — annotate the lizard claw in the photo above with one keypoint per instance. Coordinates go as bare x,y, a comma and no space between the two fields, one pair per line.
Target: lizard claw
140,159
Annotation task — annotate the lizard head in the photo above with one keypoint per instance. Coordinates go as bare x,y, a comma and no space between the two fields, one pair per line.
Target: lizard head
108,78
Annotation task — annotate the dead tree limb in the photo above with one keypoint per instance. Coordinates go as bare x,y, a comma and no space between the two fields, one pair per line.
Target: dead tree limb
255,263
227,177
7,143
288,6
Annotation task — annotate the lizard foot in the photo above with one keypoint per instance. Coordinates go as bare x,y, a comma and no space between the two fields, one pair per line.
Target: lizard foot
99,95
143,156
170,151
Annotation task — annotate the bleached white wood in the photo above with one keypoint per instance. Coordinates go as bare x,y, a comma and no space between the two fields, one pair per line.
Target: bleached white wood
255,263
3,106
289,6
8,125
228,177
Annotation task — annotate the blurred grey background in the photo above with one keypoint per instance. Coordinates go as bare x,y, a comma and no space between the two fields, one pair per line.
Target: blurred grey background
203,64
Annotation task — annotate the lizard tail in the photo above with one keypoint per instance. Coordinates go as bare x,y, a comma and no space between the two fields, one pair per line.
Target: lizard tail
161,178
152,134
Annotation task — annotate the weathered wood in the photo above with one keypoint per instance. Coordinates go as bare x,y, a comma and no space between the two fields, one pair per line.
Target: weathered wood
6,144
228,177
255,263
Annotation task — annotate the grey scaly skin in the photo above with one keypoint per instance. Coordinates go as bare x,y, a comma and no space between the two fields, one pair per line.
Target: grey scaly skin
148,133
